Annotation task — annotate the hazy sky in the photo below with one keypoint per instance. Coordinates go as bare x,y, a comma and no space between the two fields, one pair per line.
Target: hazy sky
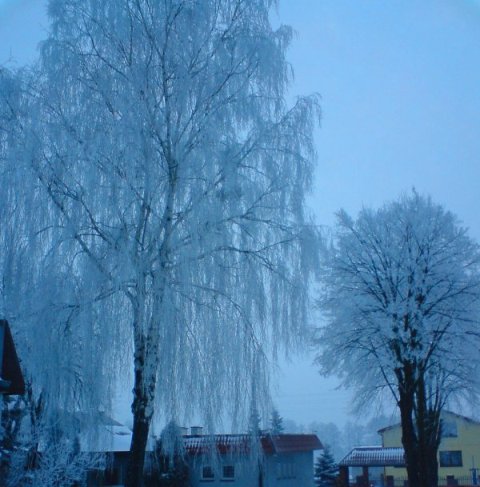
400,88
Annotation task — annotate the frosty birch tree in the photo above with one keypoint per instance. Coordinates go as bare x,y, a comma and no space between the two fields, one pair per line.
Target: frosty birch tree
160,134
400,296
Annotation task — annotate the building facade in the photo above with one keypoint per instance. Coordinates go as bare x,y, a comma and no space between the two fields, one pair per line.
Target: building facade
458,454
243,461
215,460
384,465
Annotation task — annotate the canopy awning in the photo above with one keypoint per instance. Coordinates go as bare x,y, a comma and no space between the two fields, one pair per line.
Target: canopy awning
374,456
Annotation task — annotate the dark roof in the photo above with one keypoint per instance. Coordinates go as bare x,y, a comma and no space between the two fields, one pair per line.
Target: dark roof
242,444
374,456
290,443
11,377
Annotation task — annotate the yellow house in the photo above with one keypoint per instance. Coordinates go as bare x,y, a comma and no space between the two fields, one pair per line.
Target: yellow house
458,454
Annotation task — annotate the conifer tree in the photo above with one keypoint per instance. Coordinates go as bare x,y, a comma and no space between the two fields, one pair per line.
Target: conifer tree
276,423
326,470
254,428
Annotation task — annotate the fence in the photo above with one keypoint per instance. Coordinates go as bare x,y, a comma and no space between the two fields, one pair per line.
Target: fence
403,482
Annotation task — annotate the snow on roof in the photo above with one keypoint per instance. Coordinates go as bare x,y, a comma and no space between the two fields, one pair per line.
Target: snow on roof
105,436
241,444
374,456
110,438
199,444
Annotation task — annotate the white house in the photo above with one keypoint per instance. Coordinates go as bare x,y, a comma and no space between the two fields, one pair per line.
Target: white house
239,460
244,461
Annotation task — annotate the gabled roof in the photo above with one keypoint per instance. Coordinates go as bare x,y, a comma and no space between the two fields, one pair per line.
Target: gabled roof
11,377
242,444
104,435
290,443
374,456
113,438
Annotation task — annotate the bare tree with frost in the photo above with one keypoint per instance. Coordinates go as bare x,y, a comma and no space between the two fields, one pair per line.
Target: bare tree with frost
400,295
176,174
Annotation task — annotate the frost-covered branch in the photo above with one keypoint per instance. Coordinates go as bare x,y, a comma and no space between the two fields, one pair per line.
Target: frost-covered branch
401,294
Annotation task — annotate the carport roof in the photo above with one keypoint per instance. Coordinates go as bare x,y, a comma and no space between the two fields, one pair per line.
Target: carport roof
374,456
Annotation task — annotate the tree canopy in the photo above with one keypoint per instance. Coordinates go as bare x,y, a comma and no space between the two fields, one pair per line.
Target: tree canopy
400,295
168,179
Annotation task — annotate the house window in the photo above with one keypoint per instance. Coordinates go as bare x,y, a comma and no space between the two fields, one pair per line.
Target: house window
451,458
207,473
286,469
449,429
228,472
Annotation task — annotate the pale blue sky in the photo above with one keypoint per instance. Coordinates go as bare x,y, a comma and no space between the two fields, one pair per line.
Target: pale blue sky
400,87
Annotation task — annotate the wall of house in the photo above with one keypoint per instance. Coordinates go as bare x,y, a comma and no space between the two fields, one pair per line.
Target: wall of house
392,437
246,473
289,470
292,470
467,440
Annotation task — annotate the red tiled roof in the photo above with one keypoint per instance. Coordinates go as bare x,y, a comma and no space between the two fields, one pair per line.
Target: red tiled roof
290,443
196,445
374,456
241,444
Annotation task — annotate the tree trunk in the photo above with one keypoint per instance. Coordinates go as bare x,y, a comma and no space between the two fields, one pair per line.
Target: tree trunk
410,444
142,415
421,422
136,463
146,364
406,404
432,473
429,435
